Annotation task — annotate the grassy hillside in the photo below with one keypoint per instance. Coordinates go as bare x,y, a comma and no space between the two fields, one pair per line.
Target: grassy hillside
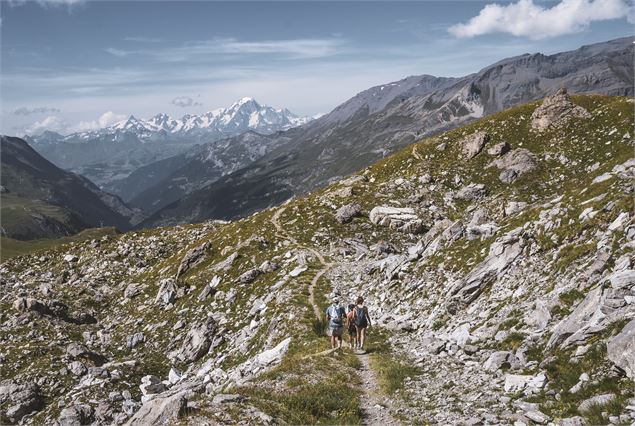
40,200
440,316
10,248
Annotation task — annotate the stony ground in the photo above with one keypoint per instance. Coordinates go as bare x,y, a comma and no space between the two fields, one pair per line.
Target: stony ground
496,261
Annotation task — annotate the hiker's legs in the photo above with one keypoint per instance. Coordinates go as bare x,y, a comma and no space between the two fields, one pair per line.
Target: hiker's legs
362,337
359,337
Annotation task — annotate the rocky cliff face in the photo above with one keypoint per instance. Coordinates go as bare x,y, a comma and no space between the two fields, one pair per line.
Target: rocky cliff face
496,260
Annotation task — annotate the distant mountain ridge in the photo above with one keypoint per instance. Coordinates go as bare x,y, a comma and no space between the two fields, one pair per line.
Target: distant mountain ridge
385,118
243,115
112,153
40,200
158,184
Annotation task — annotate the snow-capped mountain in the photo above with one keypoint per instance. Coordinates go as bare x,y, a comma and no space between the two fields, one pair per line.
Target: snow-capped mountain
243,115
112,153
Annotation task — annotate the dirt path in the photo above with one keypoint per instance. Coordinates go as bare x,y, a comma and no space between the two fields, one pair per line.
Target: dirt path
275,220
374,410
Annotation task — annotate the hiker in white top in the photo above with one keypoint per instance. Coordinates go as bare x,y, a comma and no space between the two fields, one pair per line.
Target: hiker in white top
335,316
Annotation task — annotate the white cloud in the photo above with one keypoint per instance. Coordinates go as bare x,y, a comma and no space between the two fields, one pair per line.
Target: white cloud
117,52
290,48
185,101
52,122
305,48
526,19
35,110
141,39
56,124
47,3
106,119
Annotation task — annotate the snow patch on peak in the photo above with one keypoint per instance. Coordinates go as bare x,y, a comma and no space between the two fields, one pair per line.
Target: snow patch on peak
243,115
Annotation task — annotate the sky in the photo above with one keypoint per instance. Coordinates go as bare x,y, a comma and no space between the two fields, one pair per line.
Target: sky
73,65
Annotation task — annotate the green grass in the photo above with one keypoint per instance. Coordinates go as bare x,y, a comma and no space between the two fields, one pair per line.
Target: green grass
10,248
14,209
391,370
326,402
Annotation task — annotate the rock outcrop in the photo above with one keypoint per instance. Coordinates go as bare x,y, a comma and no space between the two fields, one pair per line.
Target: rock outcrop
556,110
515,163
402,219
346,213
192,258
472,145
197,341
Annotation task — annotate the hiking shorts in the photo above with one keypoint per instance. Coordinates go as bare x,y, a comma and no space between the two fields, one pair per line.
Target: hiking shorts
334,331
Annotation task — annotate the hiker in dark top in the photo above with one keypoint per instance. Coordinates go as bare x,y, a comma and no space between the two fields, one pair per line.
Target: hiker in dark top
362,321
352,329
335,316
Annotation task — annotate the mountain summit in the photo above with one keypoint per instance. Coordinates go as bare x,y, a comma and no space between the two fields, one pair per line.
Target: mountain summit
113,152
241,116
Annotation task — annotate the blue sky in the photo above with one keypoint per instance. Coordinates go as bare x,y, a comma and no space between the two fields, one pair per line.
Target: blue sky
72,64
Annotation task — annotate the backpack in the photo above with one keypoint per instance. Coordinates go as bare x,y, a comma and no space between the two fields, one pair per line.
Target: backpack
336,314
360,315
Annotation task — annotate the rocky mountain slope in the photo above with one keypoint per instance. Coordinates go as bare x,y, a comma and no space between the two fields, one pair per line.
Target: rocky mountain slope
112,153
496,260
159,184
39,200
385,118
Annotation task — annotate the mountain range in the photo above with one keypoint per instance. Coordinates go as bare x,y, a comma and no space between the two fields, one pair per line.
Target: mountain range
40,200
113,152
380,120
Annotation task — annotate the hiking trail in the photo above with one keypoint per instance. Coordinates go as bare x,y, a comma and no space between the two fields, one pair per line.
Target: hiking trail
372,404
374,408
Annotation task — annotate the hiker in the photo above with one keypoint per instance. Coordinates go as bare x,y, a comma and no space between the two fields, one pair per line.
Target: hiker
335,316
352,329
362,321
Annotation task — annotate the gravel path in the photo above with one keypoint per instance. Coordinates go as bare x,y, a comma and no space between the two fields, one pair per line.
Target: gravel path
374,408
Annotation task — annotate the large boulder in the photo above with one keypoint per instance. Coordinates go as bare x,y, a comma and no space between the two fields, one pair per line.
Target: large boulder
346,213
193,258
473,144
197,341
556,110
76,415
19,399
402,219
471,192
514,164
161,410
167,291
621,349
